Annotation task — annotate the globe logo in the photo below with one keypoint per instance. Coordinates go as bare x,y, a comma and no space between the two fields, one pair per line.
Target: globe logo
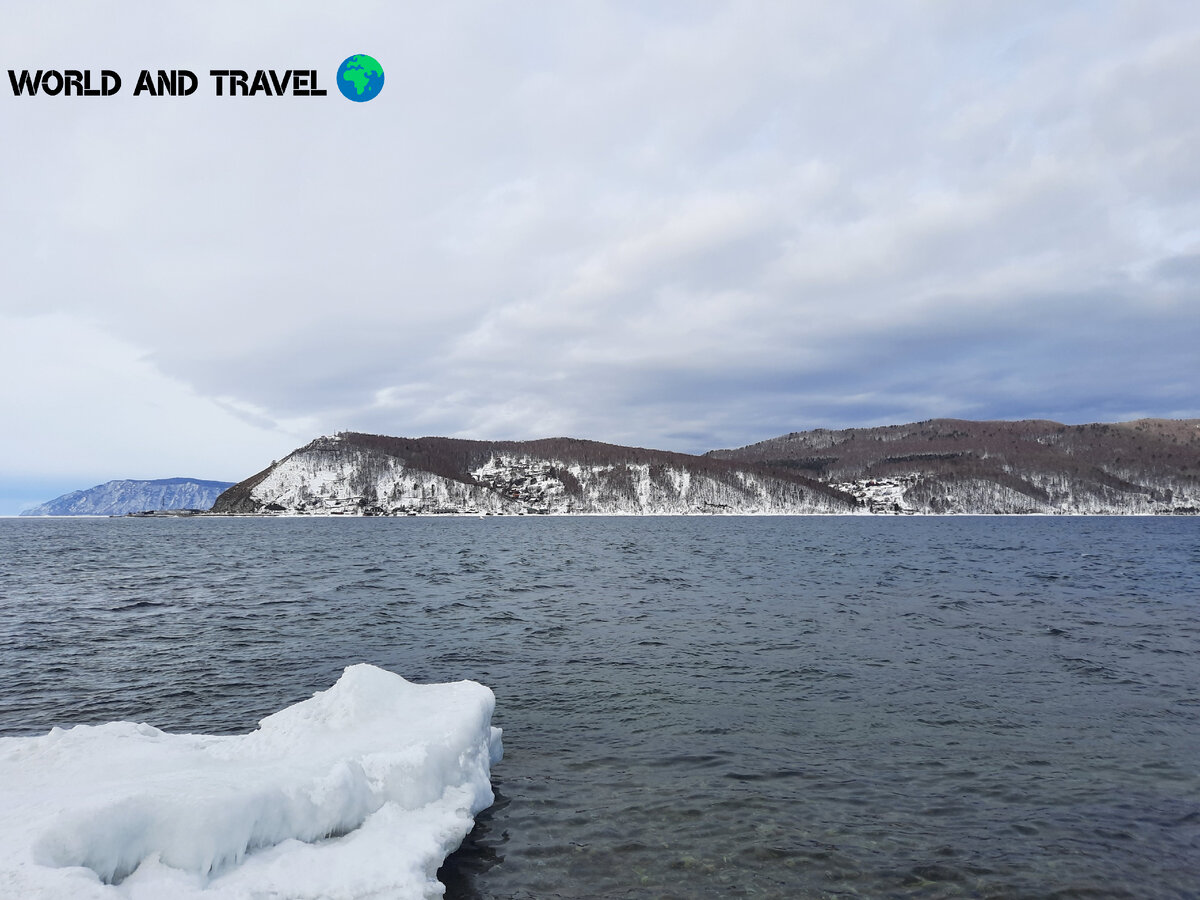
360,78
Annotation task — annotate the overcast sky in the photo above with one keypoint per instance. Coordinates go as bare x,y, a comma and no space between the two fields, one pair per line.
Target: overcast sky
681,225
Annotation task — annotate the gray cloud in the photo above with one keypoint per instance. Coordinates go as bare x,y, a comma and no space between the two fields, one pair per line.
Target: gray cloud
682,226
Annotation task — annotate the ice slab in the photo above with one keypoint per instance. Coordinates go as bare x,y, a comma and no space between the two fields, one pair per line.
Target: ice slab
360,791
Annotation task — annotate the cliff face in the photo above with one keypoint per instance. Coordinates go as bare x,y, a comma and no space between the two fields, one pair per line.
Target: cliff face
1151,466
357,474
119,498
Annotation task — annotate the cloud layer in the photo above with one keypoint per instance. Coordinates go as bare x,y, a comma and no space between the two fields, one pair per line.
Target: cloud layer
677,225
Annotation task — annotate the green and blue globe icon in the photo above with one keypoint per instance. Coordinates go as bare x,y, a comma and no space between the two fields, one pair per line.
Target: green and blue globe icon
360,78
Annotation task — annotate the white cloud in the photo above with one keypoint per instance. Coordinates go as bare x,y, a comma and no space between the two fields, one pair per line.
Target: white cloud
83,404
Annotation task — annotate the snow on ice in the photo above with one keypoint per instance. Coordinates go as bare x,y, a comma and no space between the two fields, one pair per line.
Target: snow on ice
360,791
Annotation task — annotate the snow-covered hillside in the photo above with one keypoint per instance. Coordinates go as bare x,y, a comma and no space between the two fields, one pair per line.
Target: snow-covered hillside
119,498
345,476
1049,495
1144,467
939,467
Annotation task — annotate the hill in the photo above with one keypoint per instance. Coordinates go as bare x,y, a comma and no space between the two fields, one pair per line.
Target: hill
365,474
119,498
960,466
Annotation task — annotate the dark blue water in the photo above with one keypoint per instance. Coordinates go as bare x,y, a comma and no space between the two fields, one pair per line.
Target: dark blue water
694,707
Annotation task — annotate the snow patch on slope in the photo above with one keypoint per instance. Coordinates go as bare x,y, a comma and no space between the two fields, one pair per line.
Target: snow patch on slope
558,487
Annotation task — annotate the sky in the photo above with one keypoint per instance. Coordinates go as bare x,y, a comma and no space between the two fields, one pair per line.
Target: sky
684,225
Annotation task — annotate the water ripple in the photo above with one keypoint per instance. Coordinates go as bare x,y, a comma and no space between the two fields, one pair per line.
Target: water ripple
692,708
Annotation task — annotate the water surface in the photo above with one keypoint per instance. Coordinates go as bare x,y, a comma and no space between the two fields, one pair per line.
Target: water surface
692,707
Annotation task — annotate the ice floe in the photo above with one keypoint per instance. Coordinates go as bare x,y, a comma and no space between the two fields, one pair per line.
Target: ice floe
360,791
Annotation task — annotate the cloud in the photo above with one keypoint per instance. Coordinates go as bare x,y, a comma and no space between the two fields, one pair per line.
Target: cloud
84,406
681,226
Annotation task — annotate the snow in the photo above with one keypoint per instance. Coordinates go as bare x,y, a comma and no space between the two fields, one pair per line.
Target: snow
340,479
335,478
360,791
347,480
881,495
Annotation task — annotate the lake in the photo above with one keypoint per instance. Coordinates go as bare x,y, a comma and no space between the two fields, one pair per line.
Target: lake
692,707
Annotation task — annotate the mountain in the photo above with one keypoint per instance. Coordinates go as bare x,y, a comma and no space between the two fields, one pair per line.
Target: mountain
363,474
1151,466
958,466
119,498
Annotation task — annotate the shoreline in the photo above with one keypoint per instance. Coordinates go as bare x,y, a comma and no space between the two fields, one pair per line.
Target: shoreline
619,515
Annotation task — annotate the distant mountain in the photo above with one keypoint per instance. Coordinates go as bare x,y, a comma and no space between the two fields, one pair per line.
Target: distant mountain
959,466
362,474
119,498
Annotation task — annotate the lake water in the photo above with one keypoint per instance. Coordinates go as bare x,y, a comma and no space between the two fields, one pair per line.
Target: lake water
692,707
